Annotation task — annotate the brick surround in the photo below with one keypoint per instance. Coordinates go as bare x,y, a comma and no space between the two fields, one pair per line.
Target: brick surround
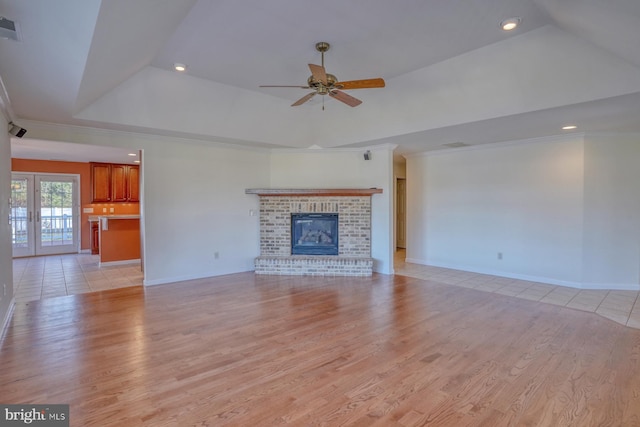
354,231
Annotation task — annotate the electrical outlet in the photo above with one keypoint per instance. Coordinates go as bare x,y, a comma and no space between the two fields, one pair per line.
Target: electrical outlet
499,255
111,210
216,255
104,210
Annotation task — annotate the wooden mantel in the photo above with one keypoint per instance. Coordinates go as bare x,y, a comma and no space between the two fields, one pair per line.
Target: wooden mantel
313,191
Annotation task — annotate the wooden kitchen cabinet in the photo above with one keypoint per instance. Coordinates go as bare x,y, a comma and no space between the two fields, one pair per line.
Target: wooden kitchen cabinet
95,237
119,183
115,183
134,183
100,182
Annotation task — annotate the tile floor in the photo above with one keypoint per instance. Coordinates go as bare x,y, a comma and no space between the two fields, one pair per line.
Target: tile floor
36,278
620,306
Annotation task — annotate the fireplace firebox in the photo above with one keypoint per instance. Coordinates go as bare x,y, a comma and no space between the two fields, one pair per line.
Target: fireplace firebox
314,234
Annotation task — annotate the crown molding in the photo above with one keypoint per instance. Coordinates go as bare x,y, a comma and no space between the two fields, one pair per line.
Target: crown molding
5,103
317,149
65,132
76,133
492,145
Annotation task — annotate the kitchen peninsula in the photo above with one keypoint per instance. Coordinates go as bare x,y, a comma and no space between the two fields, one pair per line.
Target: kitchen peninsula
116,238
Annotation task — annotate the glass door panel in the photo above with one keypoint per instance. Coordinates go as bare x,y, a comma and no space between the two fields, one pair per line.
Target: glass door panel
22,230
56,217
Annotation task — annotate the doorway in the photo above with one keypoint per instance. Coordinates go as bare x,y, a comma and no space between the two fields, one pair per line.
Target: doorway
44,214
401,213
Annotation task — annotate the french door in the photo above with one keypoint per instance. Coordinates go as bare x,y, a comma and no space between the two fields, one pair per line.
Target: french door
44,214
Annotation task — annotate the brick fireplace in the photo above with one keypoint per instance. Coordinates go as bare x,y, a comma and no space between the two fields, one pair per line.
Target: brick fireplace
353,209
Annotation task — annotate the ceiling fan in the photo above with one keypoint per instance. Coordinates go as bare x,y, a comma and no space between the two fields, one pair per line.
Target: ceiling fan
323,83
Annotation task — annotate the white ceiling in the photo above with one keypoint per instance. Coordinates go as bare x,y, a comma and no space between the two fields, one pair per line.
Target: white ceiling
452,75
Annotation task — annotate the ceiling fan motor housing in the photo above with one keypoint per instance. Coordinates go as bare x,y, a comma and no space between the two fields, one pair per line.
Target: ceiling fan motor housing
320,87
322,46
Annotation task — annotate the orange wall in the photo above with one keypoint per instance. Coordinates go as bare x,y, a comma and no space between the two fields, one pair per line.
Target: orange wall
84,170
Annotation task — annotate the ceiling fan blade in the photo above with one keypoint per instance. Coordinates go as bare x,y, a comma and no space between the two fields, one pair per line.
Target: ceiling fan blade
347,99
304,99
319,73
361,84
301,87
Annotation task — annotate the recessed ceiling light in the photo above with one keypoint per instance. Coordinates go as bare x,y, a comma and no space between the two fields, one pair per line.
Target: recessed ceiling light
569,127
136,161
132,154
510,24
179,67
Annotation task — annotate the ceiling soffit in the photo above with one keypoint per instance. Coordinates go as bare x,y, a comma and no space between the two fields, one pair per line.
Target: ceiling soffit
483,84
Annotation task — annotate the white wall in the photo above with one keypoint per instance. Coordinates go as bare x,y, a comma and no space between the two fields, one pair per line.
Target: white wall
6,264
523,201
563,211
612,211
193,201
195,206
346,168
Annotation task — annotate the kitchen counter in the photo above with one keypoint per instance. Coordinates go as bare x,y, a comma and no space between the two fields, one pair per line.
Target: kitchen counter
117,238
95,218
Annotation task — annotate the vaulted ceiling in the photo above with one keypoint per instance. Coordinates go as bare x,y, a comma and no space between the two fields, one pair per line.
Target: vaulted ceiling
452,75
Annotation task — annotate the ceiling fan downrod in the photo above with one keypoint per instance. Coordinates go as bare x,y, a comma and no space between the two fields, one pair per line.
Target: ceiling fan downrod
322,47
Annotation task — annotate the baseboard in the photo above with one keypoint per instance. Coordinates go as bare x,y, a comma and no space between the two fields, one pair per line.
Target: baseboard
123,262
166,281
613,287
538,279
7,319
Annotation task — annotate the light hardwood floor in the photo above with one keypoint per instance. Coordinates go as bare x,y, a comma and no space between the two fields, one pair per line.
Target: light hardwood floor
248,350
57,275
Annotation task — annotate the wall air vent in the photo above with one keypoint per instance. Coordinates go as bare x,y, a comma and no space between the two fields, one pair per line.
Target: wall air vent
456,145
8,29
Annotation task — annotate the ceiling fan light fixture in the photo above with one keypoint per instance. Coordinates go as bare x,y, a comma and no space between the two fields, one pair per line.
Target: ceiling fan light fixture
510,24
179,67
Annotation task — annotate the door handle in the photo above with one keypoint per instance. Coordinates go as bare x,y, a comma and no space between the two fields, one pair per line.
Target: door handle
37,216
30,216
